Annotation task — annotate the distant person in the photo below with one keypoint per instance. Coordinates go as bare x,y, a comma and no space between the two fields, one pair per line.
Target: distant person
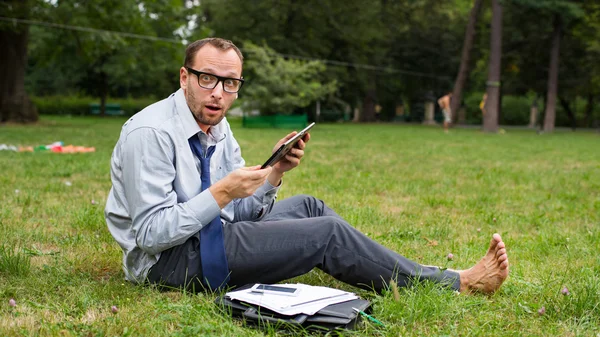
188,212
533,113
482,105
444,103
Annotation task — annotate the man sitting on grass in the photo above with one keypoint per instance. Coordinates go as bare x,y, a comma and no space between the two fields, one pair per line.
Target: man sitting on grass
187,212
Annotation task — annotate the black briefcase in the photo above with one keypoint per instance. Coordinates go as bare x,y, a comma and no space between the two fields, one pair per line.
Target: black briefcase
334,316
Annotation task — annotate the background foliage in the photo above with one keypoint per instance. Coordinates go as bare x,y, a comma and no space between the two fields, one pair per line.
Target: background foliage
378,53
277,85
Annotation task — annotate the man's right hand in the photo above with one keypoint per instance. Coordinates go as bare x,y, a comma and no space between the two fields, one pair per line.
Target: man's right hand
240,183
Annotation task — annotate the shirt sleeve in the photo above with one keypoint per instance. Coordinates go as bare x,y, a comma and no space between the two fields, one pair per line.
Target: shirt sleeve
256,206
159,221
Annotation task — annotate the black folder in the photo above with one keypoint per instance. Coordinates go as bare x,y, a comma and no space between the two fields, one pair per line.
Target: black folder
334,316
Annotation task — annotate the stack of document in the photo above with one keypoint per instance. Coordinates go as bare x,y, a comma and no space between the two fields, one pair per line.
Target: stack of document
309,300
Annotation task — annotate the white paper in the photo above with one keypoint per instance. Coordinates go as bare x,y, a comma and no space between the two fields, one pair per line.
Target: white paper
309,300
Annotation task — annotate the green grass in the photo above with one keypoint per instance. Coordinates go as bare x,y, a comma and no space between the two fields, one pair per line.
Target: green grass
414,189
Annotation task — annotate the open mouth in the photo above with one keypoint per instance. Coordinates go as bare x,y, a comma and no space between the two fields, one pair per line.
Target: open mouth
213,108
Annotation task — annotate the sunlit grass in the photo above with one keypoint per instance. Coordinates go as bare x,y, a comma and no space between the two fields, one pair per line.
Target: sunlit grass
414,189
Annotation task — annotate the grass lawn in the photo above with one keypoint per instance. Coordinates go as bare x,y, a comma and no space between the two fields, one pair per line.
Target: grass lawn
414,189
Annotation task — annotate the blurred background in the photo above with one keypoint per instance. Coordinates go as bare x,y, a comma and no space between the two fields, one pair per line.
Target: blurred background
326,60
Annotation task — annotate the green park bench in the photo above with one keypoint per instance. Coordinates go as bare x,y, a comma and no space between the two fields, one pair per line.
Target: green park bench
111,109
276,121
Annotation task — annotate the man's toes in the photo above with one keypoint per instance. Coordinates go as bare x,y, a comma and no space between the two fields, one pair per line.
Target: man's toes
501,245
496,241
500,252
504,264
493,243
496,237
493,246
502,258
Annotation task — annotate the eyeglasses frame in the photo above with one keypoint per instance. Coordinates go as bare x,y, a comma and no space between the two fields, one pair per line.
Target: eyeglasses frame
219,79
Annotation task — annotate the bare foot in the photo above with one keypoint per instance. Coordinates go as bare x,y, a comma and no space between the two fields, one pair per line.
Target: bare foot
489,273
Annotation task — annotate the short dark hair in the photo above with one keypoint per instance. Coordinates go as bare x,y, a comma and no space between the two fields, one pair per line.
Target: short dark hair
216,42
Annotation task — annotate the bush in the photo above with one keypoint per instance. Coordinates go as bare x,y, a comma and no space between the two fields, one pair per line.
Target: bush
80,105
473,113
131,106
515,109
62,105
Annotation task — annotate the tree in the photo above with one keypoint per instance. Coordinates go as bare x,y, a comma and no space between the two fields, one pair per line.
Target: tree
463,71
532,17
589,34
112,47
15,105
563,11
550,113
490,120
349,32
379,51
277,85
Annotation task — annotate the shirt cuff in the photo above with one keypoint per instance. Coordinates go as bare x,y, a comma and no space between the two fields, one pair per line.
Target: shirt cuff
204,207
268,191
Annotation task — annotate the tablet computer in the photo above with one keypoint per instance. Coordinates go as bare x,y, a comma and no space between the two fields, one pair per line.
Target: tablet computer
286,147
288,290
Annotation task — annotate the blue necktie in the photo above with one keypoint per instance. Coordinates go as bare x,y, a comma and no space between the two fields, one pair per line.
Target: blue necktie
212,249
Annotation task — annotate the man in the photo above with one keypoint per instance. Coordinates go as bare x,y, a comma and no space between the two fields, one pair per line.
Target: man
444,103
178,230
482,105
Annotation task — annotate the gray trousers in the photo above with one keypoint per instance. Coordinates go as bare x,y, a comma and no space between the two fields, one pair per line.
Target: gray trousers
302,233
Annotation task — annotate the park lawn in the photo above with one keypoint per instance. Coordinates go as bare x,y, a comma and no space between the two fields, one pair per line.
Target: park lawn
412,188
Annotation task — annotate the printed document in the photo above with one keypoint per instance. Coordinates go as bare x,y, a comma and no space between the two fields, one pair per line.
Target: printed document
309,300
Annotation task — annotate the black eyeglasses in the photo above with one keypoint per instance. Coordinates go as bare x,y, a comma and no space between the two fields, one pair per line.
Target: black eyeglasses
210,81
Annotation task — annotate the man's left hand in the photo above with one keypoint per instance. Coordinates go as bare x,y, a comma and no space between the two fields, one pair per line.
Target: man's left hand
292,159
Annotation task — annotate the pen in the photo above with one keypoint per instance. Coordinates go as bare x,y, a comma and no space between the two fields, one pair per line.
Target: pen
318,299
369,317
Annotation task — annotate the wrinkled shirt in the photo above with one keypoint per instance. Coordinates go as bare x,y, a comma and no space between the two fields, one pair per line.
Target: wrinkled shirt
156,201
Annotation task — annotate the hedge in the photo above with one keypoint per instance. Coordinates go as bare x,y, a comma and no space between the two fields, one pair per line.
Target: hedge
516,110
80,105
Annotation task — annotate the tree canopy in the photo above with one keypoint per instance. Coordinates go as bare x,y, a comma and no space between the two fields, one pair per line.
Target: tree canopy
278,85
372,56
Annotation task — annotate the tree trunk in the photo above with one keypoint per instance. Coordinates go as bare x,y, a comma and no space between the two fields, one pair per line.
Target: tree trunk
589,110
356,115
541,122
368,113
15,105
565,104
103,93
550,115
463,70
490,120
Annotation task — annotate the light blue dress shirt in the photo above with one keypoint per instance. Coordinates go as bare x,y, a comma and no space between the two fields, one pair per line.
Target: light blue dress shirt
155,201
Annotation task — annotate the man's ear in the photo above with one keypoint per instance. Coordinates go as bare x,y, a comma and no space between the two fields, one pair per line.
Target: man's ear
183,78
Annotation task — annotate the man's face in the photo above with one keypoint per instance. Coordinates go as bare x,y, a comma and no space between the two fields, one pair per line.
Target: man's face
209,105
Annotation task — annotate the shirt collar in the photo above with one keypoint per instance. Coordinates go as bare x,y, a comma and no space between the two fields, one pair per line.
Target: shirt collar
190,126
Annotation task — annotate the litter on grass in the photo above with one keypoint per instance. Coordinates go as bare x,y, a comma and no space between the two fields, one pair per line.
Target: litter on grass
56,147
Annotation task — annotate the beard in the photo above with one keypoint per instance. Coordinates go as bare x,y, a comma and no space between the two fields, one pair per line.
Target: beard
197,109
